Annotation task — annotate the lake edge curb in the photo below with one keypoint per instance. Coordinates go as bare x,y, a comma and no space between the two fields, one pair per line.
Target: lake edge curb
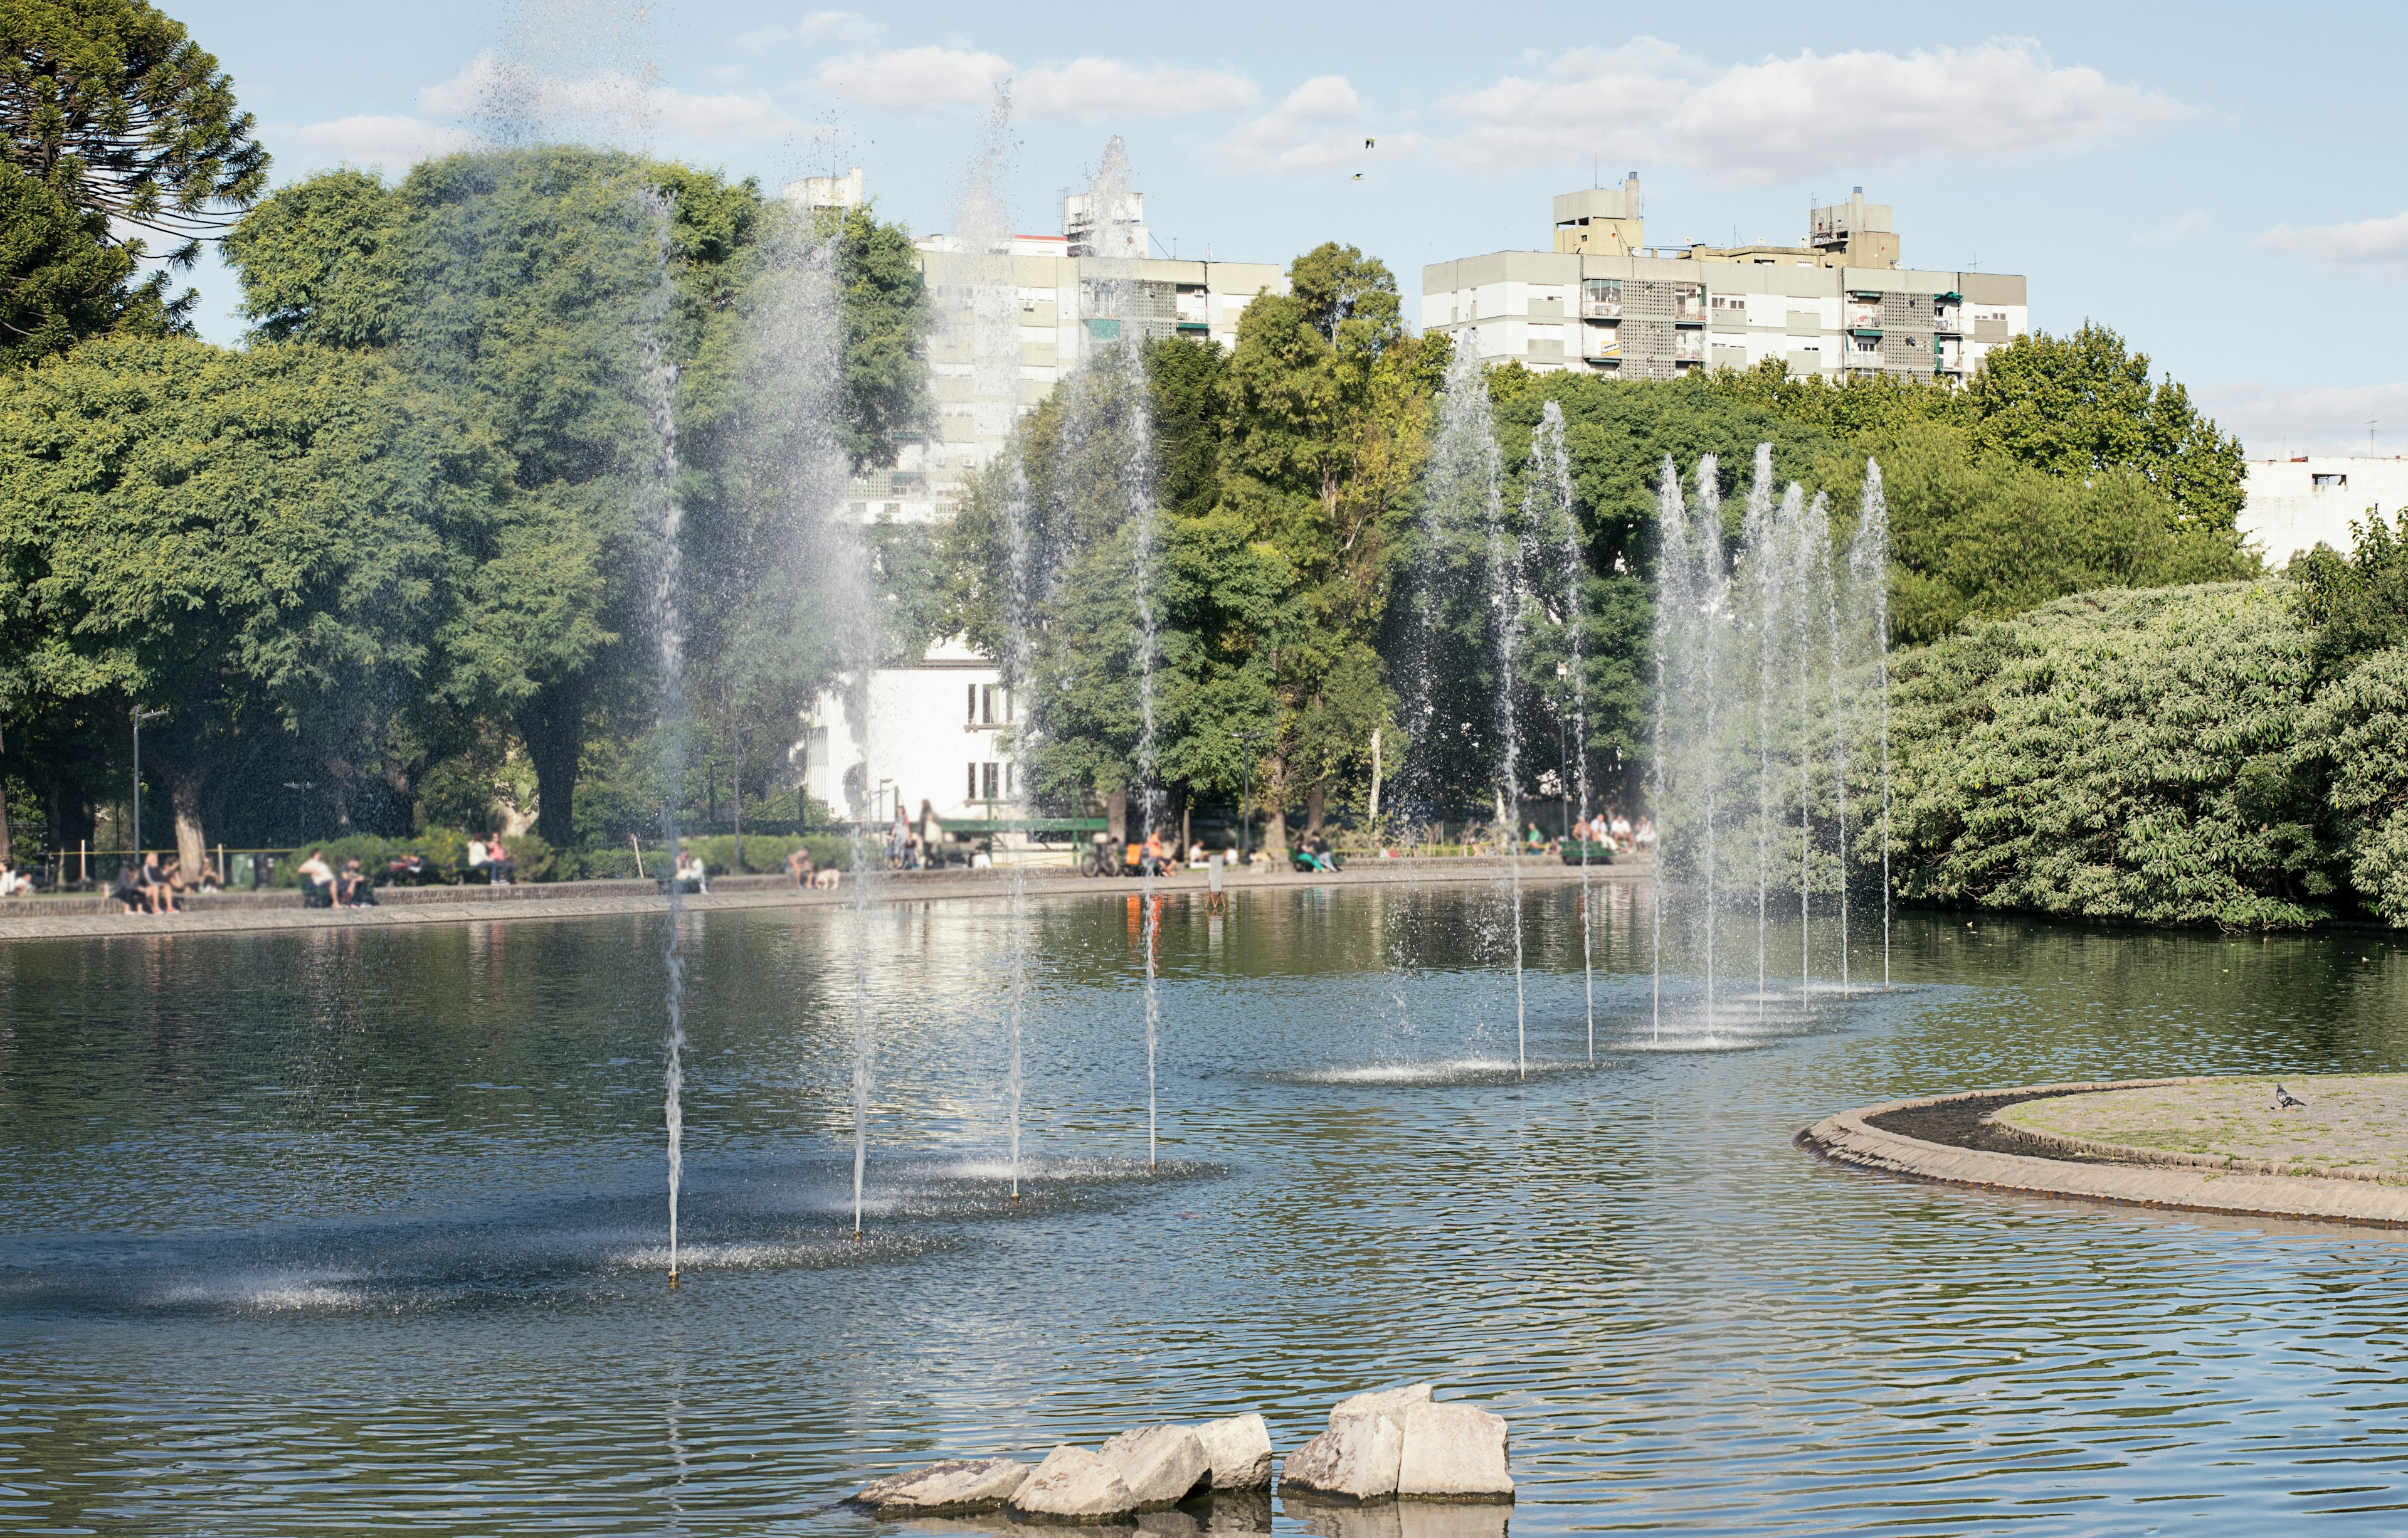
1850,1139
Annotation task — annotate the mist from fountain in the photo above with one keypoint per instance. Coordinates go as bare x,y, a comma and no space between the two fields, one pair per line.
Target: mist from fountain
664,516
982,314
1551,519
1797,630
1107,446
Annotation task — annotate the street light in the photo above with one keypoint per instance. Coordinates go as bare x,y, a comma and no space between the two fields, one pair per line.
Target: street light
140,715
1246,737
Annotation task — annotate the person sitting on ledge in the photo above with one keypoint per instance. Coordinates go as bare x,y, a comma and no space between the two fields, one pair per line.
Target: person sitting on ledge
317,881
499,868
798,867
351,888
1154,857
125,890
691,874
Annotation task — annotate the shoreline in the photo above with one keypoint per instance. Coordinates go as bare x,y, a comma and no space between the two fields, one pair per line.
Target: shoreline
244,913
1856,1140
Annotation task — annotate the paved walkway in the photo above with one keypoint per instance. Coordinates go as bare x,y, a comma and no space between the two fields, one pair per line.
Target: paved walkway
42,918
1851,1138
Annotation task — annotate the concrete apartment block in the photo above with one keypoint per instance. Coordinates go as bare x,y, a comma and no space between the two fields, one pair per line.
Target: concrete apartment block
1604,302
2297,504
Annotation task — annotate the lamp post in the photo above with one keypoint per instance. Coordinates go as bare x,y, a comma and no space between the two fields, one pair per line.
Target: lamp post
1246,737
140,715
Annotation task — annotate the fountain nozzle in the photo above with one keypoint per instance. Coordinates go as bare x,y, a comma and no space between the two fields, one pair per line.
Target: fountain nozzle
673,1281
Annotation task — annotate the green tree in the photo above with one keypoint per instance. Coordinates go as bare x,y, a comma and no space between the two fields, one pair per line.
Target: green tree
2117,754
2357,604
1327,429
2081,403
1978,535
119,127
885,304
255,543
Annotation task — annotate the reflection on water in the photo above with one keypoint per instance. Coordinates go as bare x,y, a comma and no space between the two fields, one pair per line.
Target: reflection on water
327,1229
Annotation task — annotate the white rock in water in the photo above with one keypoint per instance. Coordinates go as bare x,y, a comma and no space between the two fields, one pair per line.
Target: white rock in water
955,1485
1159,1464
1239,1451
1391,1402
1355,1460
1074,1482
1454,1452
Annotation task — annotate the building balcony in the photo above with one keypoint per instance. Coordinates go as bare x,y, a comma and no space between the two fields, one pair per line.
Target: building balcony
1601,309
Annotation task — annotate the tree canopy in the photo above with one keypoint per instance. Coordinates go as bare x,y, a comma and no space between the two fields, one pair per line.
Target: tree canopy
118,126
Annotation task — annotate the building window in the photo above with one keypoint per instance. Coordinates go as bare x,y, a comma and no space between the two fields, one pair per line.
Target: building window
2331,482
971,794
972,717
989,777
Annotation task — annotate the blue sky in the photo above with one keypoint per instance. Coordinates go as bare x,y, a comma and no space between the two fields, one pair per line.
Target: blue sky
2220,184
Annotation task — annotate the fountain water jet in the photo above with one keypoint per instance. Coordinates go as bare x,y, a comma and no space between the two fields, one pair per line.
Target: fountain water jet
665,517
1549,515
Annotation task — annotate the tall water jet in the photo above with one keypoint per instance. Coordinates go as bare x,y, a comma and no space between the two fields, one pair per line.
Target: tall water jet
1551,516
1109,464
664,516
1470,578
985,313
1671,600
1764,586
1869,579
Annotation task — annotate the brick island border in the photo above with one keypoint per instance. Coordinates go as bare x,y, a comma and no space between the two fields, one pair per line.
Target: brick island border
1850,1139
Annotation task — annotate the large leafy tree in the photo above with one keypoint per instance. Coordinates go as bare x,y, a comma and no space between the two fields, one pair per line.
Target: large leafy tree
626,334
253,542
119,129
1328,425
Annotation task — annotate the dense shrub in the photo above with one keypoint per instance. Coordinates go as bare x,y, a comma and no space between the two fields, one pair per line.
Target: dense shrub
2356,738
2119,754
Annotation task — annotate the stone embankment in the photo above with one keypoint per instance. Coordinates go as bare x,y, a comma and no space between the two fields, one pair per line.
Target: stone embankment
1398,1445
73,917
2192,1145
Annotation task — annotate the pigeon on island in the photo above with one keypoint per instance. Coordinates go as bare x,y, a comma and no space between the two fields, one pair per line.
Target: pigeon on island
2284,1100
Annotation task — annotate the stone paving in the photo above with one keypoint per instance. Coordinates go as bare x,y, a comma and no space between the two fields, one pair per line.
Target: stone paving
64,918
2353,1127
1852,1138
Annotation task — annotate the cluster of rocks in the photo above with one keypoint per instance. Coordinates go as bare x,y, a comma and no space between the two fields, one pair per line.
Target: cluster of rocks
1397,1445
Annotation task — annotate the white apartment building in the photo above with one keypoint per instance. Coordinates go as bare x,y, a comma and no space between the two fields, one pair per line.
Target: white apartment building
1603,301
1010,324
2300,503
1063,293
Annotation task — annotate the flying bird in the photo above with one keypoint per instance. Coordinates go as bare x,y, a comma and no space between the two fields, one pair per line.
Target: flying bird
1358,176
2284,1100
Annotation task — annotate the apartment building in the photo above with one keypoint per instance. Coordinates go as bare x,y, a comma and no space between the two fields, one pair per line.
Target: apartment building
2300,503
1839,302
1013,316
1011,324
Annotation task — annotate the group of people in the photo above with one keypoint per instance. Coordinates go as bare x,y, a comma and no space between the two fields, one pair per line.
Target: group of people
915,845
491,859
1615,831
324,884
157,884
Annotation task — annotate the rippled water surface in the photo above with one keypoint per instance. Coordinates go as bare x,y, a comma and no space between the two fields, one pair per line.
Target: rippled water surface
339,1230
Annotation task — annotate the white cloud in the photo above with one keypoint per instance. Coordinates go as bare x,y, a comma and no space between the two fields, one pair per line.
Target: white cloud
915,76
2327,419
849,28
1093,88
394,143
1785,119
1321,125
2377,245
607,106
905,77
